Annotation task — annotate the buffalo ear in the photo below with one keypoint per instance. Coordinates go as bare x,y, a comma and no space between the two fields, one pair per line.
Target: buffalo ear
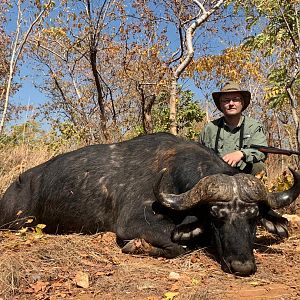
275,223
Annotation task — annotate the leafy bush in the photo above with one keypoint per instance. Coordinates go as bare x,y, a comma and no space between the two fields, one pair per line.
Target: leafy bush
189,113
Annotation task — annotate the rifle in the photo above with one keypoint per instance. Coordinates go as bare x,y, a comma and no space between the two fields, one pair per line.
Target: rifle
266,149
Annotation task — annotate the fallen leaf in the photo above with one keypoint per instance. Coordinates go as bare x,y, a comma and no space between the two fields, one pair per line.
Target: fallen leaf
39,230
82,279
174,276
153,298
39,286
254,283
107,273
170,295
22,231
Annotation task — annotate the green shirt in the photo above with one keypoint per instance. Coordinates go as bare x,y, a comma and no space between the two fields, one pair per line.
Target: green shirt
229,139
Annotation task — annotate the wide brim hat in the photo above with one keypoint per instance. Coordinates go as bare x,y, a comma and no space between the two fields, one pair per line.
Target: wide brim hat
231,87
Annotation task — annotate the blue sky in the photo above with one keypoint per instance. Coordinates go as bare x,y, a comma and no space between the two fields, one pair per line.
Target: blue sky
28,94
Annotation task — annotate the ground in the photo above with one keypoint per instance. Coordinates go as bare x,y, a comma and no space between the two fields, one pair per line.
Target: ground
40,266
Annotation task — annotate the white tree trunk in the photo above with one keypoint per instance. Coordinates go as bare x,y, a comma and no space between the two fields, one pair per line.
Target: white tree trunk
203,16
18,46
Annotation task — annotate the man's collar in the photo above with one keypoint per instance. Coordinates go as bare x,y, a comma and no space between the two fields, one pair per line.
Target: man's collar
238,125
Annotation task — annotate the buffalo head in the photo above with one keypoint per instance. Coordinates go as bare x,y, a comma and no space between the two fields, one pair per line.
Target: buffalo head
235,205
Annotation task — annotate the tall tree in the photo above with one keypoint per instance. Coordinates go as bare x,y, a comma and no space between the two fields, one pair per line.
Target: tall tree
78,50
201,16
280,42
109,62
4,51
19,39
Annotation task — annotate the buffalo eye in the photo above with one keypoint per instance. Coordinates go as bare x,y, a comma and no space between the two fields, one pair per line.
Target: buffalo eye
218,212
252,212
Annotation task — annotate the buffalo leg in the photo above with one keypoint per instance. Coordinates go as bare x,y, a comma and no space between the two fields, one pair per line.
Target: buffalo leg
188,230
155,242
140,246
274,223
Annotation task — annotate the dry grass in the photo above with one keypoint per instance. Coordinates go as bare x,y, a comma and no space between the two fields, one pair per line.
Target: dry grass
46,268
27,259
15,160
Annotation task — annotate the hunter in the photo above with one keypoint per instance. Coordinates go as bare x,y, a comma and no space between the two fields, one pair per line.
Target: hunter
231,135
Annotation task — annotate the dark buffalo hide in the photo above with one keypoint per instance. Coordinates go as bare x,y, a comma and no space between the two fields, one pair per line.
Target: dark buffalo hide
159,188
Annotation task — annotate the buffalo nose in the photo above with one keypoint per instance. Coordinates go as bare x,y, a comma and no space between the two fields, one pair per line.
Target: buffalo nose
243,268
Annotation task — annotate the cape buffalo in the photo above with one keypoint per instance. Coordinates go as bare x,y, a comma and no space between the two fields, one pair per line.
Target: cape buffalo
159,188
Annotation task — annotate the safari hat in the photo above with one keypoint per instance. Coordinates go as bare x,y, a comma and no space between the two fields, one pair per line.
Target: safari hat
230,87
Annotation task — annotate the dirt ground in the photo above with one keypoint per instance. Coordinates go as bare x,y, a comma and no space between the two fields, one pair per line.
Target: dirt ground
39,266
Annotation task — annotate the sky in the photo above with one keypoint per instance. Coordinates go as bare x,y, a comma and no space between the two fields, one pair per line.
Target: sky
28,94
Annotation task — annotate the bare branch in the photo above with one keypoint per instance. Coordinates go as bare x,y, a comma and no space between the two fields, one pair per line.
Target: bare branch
16,52
290,32
203,16
25,38
189,36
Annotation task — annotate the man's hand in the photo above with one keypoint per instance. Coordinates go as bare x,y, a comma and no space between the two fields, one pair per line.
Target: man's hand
233,158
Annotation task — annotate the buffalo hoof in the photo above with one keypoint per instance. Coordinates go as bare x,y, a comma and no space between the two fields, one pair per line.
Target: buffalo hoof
138,246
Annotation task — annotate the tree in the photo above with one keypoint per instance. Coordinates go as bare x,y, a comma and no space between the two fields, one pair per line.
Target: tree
19,40
78,49
126,50
189,114
4,51
201,17
280,42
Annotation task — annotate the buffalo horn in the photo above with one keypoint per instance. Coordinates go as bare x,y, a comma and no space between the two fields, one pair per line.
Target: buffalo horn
285,198
221,188
208,189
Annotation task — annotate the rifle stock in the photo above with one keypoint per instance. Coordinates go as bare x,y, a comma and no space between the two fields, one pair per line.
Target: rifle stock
266,149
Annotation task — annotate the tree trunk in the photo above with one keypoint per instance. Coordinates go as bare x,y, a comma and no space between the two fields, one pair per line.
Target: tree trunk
173,100
203,16
18,46
295,117
93,61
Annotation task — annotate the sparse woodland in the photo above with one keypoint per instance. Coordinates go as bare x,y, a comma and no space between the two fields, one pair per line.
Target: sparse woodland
110,70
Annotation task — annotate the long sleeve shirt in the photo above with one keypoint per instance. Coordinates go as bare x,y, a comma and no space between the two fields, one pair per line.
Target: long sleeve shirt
230,140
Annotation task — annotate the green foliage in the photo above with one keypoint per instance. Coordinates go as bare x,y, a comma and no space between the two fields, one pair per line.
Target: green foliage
29,132
281,183
64,134
161,113
189,113
279,41
277,94
67,131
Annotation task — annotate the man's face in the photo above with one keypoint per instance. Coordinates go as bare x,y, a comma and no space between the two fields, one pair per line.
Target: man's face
231,103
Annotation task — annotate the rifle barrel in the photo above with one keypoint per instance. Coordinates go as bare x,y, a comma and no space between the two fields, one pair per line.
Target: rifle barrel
269,149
